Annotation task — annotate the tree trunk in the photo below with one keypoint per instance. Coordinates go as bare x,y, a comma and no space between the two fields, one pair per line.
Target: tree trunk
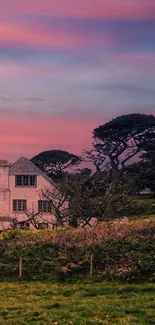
59,220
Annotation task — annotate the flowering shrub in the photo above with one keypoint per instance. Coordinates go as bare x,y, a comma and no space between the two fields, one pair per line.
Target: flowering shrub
122,250
68,237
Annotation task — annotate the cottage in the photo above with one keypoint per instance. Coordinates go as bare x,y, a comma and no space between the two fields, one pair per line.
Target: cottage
21,186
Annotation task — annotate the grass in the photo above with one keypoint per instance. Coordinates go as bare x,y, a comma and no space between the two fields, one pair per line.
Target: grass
148,201
43,303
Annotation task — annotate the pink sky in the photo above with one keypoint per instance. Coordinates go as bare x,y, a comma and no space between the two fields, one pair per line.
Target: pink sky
37,37
30,136
67,66
84,8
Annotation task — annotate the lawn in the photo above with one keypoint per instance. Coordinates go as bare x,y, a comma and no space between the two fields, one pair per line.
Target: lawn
43,303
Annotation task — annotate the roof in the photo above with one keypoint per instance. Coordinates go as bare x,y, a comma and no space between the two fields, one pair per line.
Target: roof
28,167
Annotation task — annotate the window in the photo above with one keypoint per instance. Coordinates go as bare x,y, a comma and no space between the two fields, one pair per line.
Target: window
25,180
19,205
42,225
44,206
24,225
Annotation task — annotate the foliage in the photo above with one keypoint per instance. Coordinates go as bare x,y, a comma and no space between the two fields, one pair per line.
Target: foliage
55,163
141,209
137,172
115,144
99,200
143,172
121,250
58,197
121,139
69,237
83,197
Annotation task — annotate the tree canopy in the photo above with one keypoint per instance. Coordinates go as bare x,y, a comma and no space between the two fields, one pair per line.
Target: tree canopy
56,163
123,154
143,172
121,139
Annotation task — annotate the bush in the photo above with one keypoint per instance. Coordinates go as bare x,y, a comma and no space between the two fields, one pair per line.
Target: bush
123,251
141,209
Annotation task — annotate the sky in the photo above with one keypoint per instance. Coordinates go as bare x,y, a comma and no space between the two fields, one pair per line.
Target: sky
68,66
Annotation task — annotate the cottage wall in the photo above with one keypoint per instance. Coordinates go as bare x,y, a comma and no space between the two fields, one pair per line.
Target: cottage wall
4,202
31,195
9,192
4,191
4,177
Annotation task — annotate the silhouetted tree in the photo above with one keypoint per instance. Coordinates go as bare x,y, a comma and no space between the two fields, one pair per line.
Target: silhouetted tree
120,140
143,172
56,163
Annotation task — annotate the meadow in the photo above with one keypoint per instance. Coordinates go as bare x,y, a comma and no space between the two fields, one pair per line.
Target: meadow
120,291
44,303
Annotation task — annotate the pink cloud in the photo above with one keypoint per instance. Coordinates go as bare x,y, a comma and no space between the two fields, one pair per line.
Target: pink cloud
35,36
29,136
141,64
10,70
84,8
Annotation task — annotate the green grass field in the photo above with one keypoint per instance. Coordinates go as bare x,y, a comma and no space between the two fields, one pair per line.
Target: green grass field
43,303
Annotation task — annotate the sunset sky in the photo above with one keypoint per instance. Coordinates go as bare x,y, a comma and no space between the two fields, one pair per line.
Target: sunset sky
67,66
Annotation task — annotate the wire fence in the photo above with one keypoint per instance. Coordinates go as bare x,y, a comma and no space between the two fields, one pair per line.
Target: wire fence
33,268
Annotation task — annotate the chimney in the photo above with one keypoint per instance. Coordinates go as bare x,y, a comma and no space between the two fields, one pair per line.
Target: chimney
4,174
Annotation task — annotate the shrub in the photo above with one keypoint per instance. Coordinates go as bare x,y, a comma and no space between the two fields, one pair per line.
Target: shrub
123,251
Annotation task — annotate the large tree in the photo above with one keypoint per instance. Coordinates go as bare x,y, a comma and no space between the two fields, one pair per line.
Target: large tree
143,172
56,163
117,142
97,197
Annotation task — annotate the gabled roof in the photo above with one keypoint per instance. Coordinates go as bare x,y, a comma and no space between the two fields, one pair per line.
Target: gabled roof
27,167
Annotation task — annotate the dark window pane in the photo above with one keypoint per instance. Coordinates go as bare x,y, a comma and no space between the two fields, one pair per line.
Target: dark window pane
24,225
49,206
24,205
14,205
18,180
32,180
42,225
19,205
44,206
25,180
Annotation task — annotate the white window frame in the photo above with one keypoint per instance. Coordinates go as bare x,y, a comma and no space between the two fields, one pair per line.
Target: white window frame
44,206
19,205
25,180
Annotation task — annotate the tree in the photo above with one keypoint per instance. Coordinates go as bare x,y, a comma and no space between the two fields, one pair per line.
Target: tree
31,217
137,172
144,171
80,198
149,165
98,197
96,157
72,200
56,163
120,140
59,197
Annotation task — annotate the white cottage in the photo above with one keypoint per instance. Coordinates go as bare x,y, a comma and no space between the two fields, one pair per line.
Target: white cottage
21,185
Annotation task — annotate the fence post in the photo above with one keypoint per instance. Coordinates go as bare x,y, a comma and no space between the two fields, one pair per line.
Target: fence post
91,265
20,267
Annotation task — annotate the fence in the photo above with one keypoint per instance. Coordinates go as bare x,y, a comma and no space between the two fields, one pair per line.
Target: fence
129,267
30,268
